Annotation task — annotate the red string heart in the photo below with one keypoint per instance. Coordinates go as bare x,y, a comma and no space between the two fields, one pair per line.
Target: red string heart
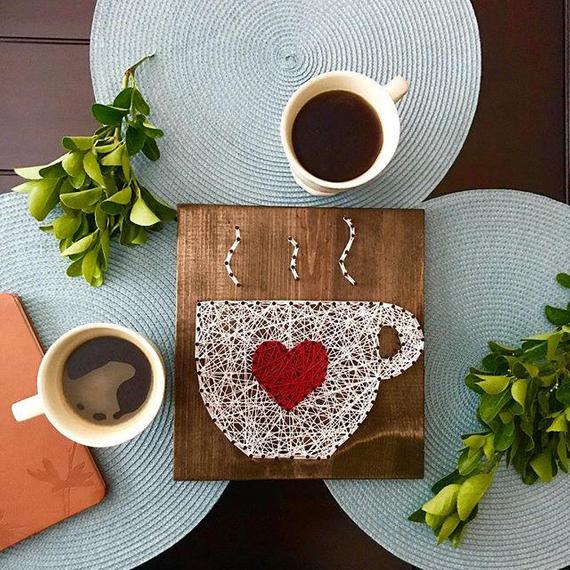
289,376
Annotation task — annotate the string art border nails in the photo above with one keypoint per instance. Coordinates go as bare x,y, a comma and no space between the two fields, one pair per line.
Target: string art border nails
294,255
228,258
228,334
346,251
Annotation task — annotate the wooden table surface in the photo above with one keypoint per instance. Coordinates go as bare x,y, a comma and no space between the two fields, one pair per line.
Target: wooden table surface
518,140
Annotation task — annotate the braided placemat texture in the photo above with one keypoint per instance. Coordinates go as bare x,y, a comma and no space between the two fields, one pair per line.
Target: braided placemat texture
491,260
145,511
224,70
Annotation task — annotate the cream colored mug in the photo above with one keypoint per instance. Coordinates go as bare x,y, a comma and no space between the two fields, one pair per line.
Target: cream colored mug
51,401
382,98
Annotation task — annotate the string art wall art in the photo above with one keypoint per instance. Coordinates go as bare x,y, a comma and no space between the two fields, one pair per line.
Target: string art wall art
295,379
281,370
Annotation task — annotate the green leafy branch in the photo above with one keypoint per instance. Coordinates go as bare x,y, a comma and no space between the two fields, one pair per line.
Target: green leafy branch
524,410
93,189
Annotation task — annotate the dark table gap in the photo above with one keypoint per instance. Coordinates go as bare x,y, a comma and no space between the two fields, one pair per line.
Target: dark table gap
517,139
54,19
46,93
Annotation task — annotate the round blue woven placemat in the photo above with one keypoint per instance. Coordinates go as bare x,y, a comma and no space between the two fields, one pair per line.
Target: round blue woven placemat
225,69
491,260
145,511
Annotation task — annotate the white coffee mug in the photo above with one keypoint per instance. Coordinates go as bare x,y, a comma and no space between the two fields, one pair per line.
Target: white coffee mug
382,98
51,401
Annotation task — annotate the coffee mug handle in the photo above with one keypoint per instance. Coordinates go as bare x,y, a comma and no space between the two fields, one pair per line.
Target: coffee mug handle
397,88
28,408
411,337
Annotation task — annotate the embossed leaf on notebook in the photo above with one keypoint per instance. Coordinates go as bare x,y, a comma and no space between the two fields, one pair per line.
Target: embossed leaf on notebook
75,476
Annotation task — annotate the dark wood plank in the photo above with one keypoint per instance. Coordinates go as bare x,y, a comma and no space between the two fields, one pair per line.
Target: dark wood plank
46,93
277,525
387,252
8,181
55,19
517,139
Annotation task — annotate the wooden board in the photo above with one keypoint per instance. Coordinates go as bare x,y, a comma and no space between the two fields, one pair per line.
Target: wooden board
387,260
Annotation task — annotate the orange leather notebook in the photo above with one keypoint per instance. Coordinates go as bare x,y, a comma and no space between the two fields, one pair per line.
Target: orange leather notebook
44,477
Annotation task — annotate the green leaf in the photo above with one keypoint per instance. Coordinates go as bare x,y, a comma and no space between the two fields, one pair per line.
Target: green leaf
115,204
557,316
105,242
162,210
457,535
109,114
434,521
114,158
518,391
506,416
150,149
140,104
504,436
74,268
128,231
501,348
469,461
103,147
100,218
90,266
43,197
29,172
564,280
547,380
444,502
77,143
534,350
142,215
126,166
471,492
489,447
448,526
559,424
79,246
82,199
542,465
92,169
418,516
78,181
563,391
53,171
562,453
140,237
135,140
111,183
493,384
475,441
33,172
491,404
25,187
73,164
123,99
65,226
453,477
151,131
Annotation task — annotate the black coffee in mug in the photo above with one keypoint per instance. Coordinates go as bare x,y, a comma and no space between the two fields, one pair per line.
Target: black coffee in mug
337,136
106,379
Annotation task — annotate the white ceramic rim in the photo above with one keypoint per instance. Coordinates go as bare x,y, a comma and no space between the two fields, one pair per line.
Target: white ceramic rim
384,156
133,426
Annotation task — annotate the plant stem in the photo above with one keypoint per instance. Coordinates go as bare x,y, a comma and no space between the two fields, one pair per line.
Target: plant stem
131,70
